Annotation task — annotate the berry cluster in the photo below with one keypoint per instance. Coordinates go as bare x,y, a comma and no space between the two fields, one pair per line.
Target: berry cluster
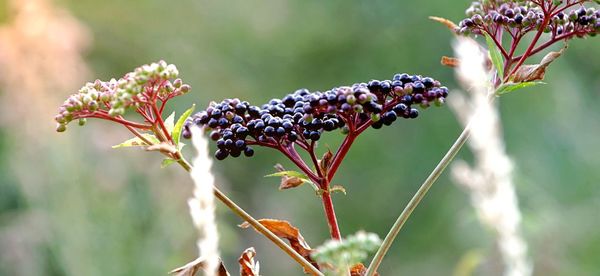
303,116
108,99
525,16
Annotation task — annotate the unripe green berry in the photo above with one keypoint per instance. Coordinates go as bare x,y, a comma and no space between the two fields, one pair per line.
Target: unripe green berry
375,117
82,121
61,128
185,88
351,99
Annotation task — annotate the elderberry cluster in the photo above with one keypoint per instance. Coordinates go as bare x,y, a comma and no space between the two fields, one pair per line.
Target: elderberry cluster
303,116
527,16
103,99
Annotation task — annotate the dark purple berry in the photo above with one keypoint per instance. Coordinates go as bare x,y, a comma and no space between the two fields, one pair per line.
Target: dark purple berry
414,113
248,152
221,154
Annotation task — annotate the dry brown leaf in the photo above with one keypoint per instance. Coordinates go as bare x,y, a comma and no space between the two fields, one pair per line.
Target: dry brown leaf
359,270
535,72
450,61
247,265
162,147
326,161
285,230
195,266
449,24
288,182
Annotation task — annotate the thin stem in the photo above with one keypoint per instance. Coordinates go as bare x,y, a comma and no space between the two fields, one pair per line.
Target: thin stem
340,154
530,48
313,157
334,229
161,123
420,194
498,44
258,226
416,199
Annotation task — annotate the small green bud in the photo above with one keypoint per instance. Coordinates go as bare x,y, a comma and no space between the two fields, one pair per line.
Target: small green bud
93,106
345,130
87,99
439,101
351,99
177,83
185,88
61,128
408,89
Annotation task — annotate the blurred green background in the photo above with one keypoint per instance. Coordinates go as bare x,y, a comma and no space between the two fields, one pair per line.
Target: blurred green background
70,205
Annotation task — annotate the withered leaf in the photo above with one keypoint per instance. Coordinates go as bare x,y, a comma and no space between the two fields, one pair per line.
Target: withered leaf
195,266
289,179
285,230
325,161
450,62
247,265
162,147
359,270
337,188
527,73
449,24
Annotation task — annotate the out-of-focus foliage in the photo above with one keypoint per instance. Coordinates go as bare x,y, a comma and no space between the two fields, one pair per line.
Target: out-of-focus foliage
70,205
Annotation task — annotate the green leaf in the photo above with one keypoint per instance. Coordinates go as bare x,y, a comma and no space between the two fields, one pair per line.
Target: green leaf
496,56
170,122
289,174
511,87
137,142
176,134
167,162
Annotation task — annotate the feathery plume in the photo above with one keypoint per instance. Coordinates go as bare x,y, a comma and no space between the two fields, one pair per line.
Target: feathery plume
202,206
489,180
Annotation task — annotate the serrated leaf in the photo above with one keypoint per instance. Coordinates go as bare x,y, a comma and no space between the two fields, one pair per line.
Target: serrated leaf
512,87
495,55
170,122
176,134
167,162
137,142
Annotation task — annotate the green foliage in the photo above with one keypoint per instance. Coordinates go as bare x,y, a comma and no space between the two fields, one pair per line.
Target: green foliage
176,133
495,55
343,255
512,87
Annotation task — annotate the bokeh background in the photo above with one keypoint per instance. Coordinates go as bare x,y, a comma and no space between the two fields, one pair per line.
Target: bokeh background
71,205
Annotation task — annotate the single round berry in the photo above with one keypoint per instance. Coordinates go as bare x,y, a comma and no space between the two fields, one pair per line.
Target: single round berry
248,152
221,154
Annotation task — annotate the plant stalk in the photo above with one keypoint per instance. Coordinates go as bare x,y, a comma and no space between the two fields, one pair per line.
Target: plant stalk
334,229
258,226
416,199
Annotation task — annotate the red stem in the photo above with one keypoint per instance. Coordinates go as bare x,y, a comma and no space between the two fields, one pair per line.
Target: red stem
340,154
498,44
117,119
334,229
530,48
161,123
548,43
